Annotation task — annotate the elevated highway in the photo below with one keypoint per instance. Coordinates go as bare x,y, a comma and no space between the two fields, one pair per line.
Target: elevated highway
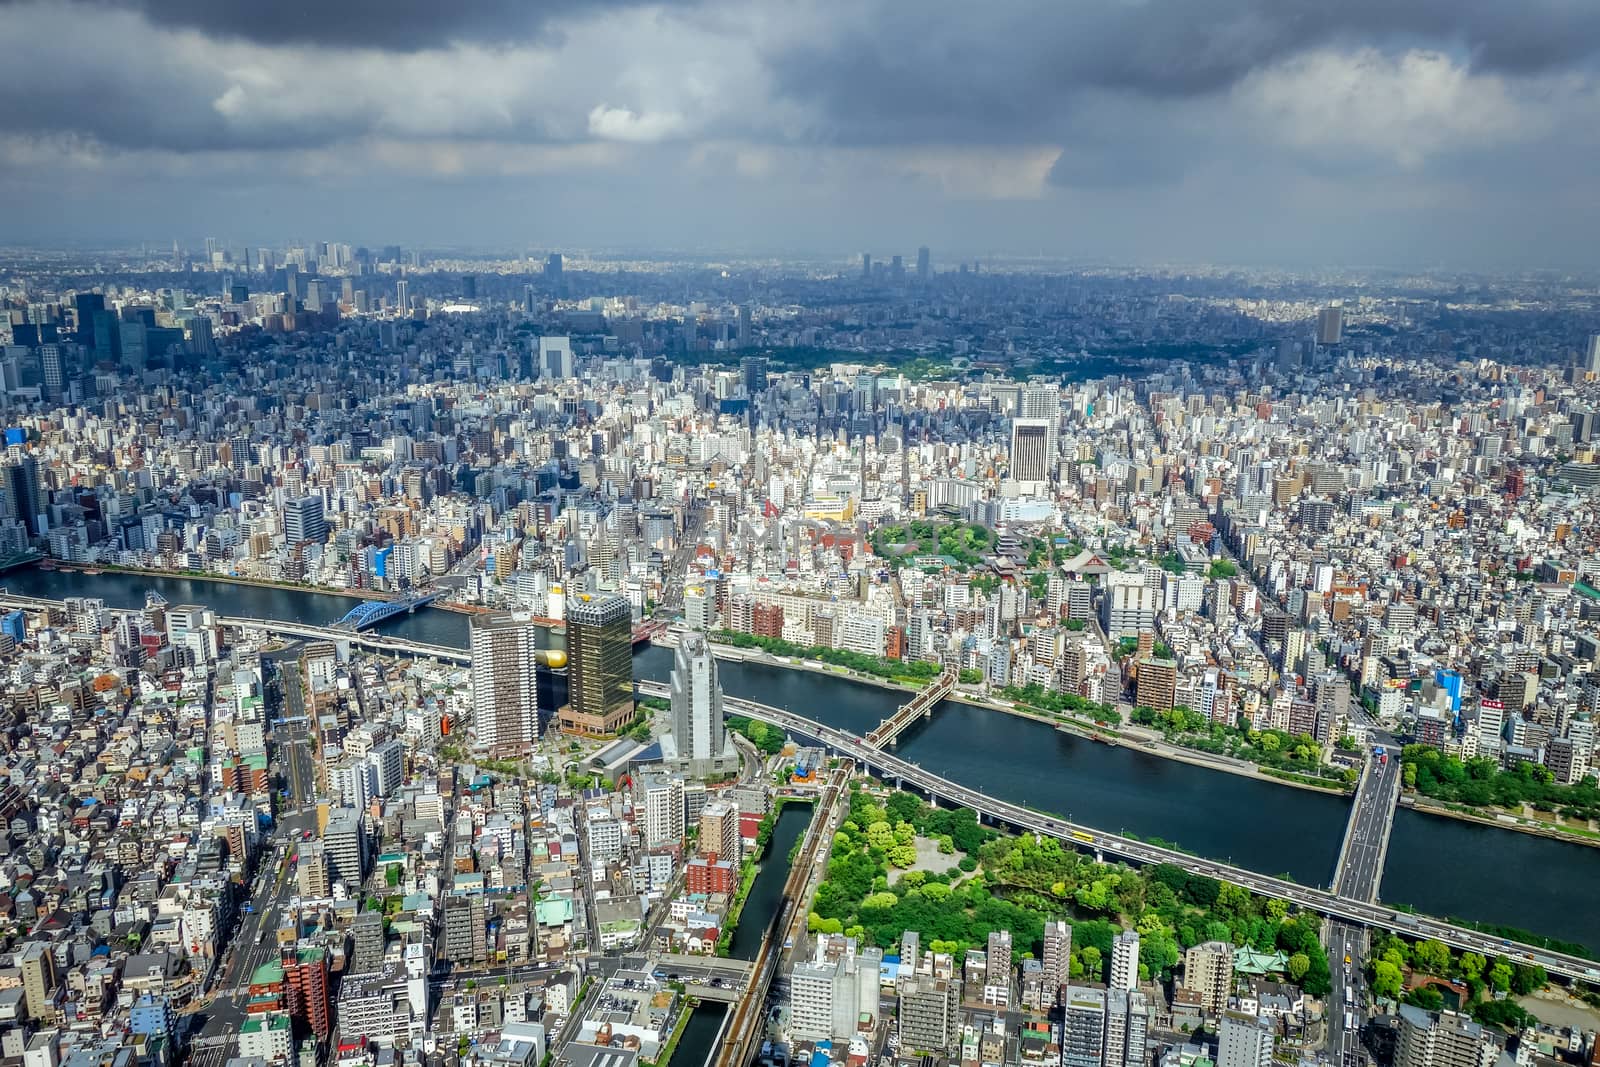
1333,905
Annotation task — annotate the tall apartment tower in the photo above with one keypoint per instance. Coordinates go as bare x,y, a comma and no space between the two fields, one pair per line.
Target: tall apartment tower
1057,958
505,706
1244,1040
697,726
599,666
924,263
1125,960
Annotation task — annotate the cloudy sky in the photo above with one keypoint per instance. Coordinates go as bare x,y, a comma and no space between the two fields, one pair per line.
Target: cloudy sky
1405,132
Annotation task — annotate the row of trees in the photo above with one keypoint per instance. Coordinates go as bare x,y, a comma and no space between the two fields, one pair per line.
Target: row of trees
895,670
1269,748
1035,695
1480,782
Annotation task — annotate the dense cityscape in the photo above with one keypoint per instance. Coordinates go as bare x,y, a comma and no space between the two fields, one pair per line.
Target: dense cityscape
544,658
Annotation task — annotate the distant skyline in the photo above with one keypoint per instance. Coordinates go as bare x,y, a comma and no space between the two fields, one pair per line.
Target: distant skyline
1414,133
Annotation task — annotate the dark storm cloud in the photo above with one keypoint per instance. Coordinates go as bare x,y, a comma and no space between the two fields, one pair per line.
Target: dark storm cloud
1012,70
394,25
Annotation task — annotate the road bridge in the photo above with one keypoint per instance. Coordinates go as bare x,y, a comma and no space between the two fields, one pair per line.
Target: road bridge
1366,835
369,613
922,705
1333,905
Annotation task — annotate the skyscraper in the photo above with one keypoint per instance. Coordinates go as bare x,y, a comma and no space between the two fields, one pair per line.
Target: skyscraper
599,666
866,264
555,272
1330,326
402,296
1030,450
697,727
53,369
1591,357
753,369
87,305
924,263
22,485
746,327
303,520
505,710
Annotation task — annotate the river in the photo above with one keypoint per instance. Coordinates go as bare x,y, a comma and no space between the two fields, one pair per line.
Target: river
1440,866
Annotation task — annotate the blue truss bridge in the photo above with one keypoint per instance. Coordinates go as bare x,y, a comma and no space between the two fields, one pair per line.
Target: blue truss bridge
369,613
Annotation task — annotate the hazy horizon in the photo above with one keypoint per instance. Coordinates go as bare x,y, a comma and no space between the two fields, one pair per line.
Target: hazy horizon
1457,136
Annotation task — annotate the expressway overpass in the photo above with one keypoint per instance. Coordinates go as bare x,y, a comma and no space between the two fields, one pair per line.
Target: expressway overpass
1334,906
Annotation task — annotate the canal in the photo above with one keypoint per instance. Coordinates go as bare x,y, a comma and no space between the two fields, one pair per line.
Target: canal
1439,866
700,1035
767,892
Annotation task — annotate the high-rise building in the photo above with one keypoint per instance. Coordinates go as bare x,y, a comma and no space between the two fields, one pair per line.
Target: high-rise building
345,845
753,369
53,371
746,335
719,830
555,272
1057,958
997,958
38,966
505,704
86,305
303,520
1330,326
1448,1039
1244,1040
1208,971
930,1013
1125,960
402,296
924,263
1591,355
555,357
1127,1028
866,264
1157,684
697,727
662,796
1030,450
1129,610
599,666
22,486
1083,1027
306,981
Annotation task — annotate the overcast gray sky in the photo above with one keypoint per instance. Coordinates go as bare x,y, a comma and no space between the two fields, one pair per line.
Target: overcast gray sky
1414,132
